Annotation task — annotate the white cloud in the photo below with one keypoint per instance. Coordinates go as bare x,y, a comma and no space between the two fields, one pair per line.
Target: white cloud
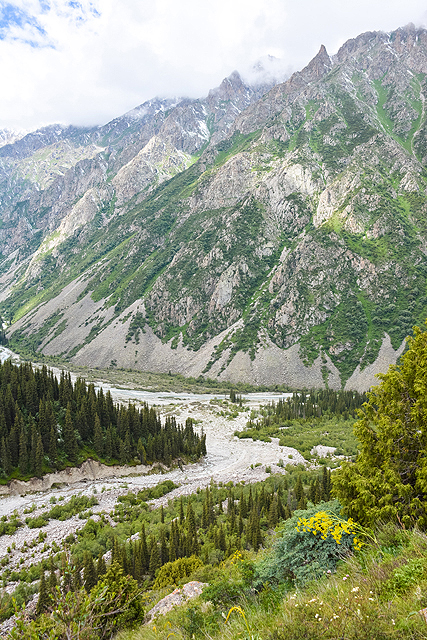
95,59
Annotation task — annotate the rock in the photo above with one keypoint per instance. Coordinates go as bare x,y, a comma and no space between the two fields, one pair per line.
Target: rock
175,599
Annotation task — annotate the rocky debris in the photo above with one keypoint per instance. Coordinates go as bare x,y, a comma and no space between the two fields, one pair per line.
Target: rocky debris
175,599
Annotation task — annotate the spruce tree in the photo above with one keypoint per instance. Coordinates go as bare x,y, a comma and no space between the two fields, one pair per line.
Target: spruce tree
388,481
172,549
38,458
23,451
53,451
154,560
101,568
53,582
98,438
89,574
69,436
144,551
299,489
44,599
5,457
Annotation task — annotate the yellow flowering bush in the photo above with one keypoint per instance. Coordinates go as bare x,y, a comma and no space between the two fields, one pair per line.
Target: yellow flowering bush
299,556
328,524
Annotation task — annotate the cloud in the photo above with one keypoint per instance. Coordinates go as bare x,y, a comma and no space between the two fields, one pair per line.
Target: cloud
86,62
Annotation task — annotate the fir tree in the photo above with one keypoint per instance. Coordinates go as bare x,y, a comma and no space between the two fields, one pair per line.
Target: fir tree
44,601
98,438
70,442
38,458
89,573
154,560
23,452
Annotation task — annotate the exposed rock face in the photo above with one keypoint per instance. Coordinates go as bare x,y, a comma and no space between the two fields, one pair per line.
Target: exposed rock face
275,235
88,470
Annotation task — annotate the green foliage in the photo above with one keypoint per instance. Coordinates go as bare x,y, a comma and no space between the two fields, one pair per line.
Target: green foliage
300,556
173,573
46,424
321,417
388,481
405,577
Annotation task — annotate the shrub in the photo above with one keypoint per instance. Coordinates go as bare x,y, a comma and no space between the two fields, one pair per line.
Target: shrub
173,572
299,555
223,592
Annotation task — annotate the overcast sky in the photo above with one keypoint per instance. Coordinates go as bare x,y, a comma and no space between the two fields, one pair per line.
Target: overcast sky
87,62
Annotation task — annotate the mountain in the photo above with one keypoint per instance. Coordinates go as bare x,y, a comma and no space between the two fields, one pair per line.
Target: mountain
275,234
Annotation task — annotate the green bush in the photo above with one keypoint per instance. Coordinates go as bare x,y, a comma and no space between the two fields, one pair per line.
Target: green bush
405,578
223,592
36,523
173,572
299,556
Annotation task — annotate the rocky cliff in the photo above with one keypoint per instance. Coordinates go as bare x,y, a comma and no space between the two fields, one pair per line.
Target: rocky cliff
275,235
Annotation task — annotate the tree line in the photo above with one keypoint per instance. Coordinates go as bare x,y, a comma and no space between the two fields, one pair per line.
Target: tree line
46,423
313,404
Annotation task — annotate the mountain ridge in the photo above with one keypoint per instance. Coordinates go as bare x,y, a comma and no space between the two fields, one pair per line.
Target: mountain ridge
277,236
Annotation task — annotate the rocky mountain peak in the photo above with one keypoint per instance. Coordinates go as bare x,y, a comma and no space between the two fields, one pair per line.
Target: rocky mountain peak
280,239
319,66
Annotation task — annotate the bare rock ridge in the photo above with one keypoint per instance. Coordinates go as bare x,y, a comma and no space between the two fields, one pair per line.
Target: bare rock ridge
274,234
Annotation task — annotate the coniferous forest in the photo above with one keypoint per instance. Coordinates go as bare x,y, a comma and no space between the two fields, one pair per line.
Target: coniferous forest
47,424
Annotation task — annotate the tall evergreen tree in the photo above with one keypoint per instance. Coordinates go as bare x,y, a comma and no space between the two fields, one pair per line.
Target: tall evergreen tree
44,600
69,436
89,573
23,451
154,560
98,437
38,457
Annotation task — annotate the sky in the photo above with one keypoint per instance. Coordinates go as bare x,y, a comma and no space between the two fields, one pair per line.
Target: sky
86,62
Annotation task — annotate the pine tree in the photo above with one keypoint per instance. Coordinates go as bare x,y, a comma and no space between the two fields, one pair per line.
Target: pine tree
154,560
98,438
69,436
23,452
44,600
89,573
38,458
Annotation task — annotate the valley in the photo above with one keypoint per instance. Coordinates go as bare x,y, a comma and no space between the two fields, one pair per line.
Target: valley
272,234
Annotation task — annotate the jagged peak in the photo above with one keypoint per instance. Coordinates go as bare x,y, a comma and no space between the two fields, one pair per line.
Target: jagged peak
317,68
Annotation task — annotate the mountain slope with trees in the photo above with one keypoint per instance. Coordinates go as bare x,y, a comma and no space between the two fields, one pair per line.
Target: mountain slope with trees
282,239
